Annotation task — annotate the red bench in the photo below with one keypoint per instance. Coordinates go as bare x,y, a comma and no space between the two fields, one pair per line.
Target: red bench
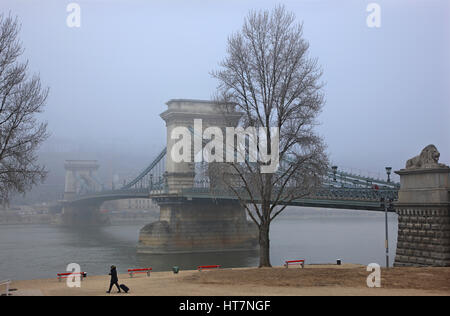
143,270
70,274
200,268
291,262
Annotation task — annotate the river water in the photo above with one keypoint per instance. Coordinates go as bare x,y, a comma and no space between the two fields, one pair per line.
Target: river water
318,236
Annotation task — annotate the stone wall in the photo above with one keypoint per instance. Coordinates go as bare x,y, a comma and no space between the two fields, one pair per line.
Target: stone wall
423,237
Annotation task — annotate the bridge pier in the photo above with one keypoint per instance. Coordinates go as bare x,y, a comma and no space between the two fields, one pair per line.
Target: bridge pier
83,214
198,226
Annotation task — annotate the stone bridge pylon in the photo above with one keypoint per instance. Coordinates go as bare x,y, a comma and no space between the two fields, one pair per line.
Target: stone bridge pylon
81,178
195,225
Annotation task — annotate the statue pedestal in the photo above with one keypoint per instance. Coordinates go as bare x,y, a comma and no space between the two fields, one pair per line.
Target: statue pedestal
423,210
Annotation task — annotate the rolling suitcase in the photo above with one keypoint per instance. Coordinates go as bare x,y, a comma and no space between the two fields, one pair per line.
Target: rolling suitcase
124,288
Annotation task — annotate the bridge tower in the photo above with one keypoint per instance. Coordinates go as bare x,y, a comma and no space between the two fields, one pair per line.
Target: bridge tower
195,225
80,177
182,113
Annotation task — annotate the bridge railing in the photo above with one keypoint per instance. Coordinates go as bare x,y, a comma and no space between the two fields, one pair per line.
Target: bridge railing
365,194
337,184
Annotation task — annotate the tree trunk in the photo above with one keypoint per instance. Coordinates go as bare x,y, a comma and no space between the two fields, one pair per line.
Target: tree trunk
264,245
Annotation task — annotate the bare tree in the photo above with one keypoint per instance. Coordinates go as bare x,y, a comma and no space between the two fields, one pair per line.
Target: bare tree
21,98
270,79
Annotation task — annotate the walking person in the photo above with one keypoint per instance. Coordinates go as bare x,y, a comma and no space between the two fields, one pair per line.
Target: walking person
114,279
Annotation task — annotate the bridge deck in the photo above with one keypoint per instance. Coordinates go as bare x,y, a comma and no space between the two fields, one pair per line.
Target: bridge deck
341,190
357,199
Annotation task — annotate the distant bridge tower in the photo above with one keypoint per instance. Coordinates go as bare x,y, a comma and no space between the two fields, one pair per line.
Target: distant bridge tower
81,177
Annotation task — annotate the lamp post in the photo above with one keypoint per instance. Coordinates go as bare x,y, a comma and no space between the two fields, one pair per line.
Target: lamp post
334,168
388,172
386,205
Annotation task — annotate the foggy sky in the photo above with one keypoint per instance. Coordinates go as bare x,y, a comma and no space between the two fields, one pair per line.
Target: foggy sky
387,89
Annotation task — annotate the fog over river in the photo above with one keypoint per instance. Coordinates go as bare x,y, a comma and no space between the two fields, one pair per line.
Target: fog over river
318,236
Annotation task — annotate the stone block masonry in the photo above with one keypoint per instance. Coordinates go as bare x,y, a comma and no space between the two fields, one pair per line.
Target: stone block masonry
423,237
198,226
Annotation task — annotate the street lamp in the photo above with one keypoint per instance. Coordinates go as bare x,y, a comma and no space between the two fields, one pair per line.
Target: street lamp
388,172
386,205
386,242
334,172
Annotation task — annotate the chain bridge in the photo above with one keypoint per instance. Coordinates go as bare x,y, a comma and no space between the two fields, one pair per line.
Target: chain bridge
195,215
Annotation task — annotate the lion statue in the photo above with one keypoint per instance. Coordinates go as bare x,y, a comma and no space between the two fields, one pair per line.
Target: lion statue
428,158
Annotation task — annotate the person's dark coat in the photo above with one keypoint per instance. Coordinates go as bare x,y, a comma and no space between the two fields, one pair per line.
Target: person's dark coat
114,279
113,275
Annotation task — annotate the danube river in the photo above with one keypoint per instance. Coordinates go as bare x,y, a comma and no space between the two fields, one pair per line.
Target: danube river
318,236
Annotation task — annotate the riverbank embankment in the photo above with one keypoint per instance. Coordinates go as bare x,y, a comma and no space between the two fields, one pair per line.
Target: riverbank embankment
347,279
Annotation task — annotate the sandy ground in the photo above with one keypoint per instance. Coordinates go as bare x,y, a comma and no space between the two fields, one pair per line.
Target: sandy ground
313,280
